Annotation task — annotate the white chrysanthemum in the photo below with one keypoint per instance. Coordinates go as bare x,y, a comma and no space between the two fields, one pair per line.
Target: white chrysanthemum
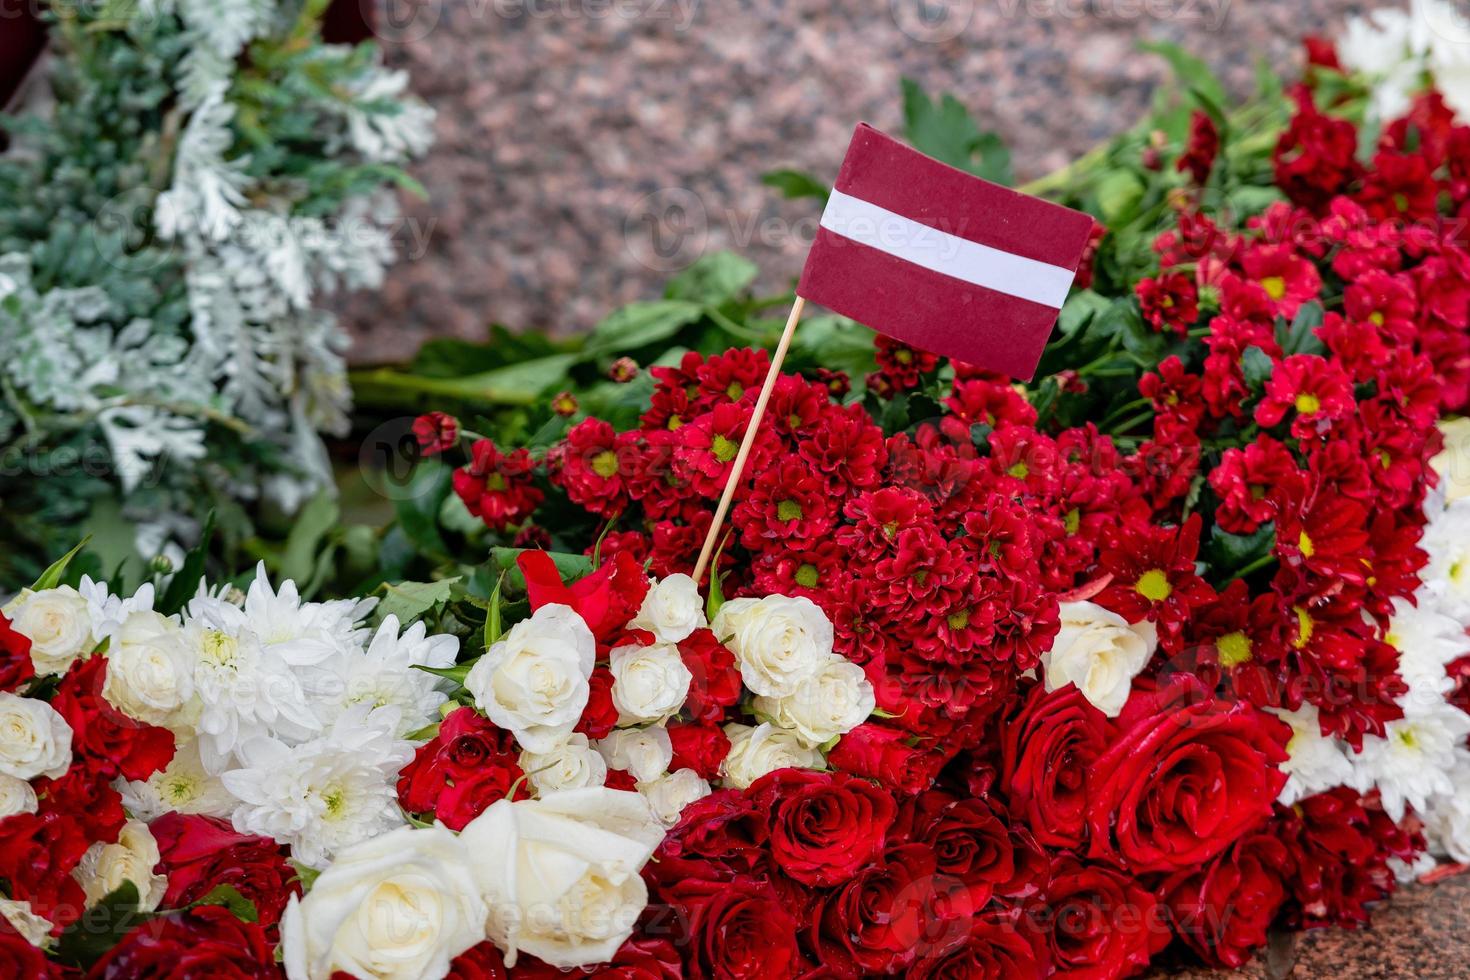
108,611
1315,762
183,785
1385,47
1427,640
246,688
1447,575
1412,762
384,674
1447,822
304,633
325,794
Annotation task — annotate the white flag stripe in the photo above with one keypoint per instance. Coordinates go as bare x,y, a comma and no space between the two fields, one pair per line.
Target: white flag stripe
950,255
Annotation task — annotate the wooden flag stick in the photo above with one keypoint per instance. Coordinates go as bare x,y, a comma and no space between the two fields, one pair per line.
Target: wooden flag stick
755,421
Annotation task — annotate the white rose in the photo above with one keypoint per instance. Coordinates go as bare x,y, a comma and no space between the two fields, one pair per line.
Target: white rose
643,752
105,867
649,683
778,640
1453,462
58,624
669,794
1100,652
399,906
34,739
561,873
149,676
571,765
32,928
831,702
671,610
16,796
762,749
533,682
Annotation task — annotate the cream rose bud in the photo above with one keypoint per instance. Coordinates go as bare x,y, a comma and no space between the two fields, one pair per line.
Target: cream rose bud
105,867
149,674
34,739
649,683
571,765
1100,652
1453,461
671,610
642,752
16,796
778,641
561,874
31,927
669,794
399,906
831,702
58,624
762,749
533,683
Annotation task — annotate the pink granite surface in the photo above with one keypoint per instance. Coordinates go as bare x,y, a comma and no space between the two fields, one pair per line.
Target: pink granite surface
573,131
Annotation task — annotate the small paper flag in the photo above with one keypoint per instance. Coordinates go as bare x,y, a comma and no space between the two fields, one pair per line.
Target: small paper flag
940,259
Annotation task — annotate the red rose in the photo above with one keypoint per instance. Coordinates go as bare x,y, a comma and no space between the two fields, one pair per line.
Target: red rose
37,854
1184,778
875,751
605,600
890,913
974,844
1046,753
204,943
15,657
733,930
18,958
601,715
1102,924
1224,909
85,797
992,949
468,765
640,958
483,961
721,835
108,741
715,680
699,747
201,853
824,826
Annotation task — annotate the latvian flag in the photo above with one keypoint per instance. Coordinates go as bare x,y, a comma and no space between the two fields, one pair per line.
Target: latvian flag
940,259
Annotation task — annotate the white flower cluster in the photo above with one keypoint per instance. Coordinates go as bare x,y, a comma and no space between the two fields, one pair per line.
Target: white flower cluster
290,717
1421,761
1396,49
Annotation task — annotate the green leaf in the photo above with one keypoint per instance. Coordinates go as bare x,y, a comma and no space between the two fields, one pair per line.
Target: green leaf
185,583
1080,307
1190,70
51,577
448,357
1301,337
1256,366
640,324
418,501
946,132
100,928
796,184
457,673
1118,194
493,626
1229,553
305,873
411,600
311,527
230,898
515,384
570,567
713,279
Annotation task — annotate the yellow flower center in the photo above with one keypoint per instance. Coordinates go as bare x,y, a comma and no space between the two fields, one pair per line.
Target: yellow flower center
1308,403
1275,286
1233,649
1154,585
1303,628
959,620
735,390
1020,471
724,449
1073,520
605,464
1376,318
788,510
806,576
1304,543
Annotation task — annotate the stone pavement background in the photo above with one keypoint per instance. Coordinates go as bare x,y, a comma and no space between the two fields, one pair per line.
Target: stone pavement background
581,140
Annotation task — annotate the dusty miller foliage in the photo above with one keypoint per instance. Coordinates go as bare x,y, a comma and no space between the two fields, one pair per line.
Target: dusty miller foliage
207,170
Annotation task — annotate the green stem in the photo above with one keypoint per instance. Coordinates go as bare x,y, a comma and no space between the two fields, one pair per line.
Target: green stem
1254,566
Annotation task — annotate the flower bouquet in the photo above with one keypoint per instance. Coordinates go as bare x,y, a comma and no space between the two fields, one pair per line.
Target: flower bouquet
1130,665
